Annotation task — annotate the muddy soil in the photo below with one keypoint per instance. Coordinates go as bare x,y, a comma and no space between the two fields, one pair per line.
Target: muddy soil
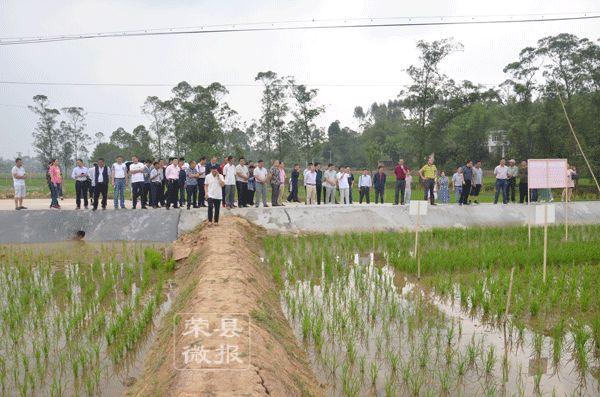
228,277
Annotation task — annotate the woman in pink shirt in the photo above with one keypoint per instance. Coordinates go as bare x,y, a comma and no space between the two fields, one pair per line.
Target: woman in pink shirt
55,181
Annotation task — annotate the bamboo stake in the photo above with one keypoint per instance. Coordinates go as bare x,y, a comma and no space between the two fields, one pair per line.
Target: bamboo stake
510,284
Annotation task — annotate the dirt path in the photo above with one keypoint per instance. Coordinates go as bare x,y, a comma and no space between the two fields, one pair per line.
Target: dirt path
230,278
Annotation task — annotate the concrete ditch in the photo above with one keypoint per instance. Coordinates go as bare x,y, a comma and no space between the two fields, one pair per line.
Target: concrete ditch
39,226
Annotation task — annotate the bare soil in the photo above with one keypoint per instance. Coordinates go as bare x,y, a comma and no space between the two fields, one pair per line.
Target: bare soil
228,277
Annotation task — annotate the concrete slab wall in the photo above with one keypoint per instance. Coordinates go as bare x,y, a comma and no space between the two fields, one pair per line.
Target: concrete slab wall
34,226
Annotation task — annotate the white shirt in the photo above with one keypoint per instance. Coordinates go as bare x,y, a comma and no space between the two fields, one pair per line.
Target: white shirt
119,170
501,172
201,170
241,169
155,175
137,177
327,175
310,178
477,176
342,178
18,171
260,174
214,187
364,181
77,171
306,171
229,172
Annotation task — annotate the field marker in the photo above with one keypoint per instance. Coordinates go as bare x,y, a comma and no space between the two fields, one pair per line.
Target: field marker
418,208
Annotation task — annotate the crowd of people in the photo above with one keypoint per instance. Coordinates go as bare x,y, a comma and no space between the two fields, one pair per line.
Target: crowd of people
213,184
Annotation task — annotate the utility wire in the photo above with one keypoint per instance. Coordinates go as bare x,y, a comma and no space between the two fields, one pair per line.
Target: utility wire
87,112
233,29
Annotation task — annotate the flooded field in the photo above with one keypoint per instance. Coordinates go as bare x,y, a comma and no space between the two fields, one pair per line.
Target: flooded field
75,318
371,328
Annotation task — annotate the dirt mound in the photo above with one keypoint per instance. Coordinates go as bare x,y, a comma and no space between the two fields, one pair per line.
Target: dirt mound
230,278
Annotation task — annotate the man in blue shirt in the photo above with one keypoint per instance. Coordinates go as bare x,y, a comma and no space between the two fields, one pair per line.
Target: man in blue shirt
468,178
379,184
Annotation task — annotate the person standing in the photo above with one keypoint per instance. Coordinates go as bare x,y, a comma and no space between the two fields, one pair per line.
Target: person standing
172,176
18,174
100,174
364,185
523,183
467,172
201,168
182,177
319,184
156,175
511,180
55,181
146,191
310,181
342,179
571,178
501,173
241,182
295,175
191,185
428,174
408,191
444,191
230,182
80,174
260,179
251,184
162,199
477,181
275,181
400,171
330,177
213,190
304,180
379,185
281,183
119,181
350,183
457,185
136,174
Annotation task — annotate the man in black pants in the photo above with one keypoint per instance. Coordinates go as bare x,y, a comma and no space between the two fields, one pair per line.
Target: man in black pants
172,176
213,186
319,183
201,168
80,174
101,177
182,178
468,177
293,196
136,172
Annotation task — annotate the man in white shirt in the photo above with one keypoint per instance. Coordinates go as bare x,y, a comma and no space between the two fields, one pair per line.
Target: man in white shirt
310,181
172,177
136,171
201,168
260,179
156,177
100,175
342,178
364,185
19,175
80,174
477,181
241,182
229,174
213,185
330,181
119,181
501,173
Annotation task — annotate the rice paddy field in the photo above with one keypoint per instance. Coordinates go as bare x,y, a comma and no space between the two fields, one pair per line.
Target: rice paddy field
370,327
75,318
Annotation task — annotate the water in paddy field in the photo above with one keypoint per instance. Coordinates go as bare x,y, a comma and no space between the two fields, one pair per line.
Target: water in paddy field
370,331
78,318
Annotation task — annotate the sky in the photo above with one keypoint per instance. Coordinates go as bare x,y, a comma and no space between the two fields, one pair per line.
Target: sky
350,67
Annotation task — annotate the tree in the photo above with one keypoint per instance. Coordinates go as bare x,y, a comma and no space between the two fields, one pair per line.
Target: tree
73,132
158,111
272,131
45,135
305,132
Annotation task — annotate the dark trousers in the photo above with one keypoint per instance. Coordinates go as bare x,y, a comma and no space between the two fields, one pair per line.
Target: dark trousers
320,193
146,194
162,197
250,199
475,190
501,188
400,189
201,197
429,184
275,194
466,190
172,191
214,205
293,196
523,193
155,189
181,194
242,193
350,195
379,193
534,195
81,192
137,188
364,193
192,195
101,188
511,188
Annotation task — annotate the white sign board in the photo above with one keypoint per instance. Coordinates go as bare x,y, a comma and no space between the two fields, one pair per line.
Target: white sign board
417,207
547,173
550,215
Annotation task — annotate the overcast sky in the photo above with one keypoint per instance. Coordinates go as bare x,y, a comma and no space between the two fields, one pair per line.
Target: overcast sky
346,56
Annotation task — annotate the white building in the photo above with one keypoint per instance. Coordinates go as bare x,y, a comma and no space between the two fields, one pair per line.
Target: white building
497,143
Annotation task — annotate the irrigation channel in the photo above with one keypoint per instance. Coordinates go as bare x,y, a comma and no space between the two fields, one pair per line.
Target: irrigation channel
77,318
371,328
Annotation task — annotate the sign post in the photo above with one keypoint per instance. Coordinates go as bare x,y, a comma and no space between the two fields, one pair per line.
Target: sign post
418,208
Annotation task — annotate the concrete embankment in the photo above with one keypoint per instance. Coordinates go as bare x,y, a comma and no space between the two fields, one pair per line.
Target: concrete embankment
35,226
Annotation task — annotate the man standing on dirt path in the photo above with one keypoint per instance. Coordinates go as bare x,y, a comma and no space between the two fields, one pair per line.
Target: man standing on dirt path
310,180
100,174
119,182
260,179
275,181
18,174
400,171
230,182
468,180
213,189
477,181
501,174
241,182
80,174
136,172
428,174
172,177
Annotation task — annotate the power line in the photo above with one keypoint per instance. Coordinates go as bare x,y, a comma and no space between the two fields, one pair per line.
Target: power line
234,29
87,112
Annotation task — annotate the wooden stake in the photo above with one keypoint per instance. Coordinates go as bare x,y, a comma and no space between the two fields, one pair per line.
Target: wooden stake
373,234
545,239
417,254
510,284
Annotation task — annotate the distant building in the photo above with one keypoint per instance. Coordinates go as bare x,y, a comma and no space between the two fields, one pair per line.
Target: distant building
497,143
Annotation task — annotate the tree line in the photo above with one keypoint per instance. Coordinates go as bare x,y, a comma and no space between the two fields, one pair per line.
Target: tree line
433,115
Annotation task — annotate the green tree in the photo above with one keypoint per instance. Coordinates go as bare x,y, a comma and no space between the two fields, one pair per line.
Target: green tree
46,136
272,133
304,131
